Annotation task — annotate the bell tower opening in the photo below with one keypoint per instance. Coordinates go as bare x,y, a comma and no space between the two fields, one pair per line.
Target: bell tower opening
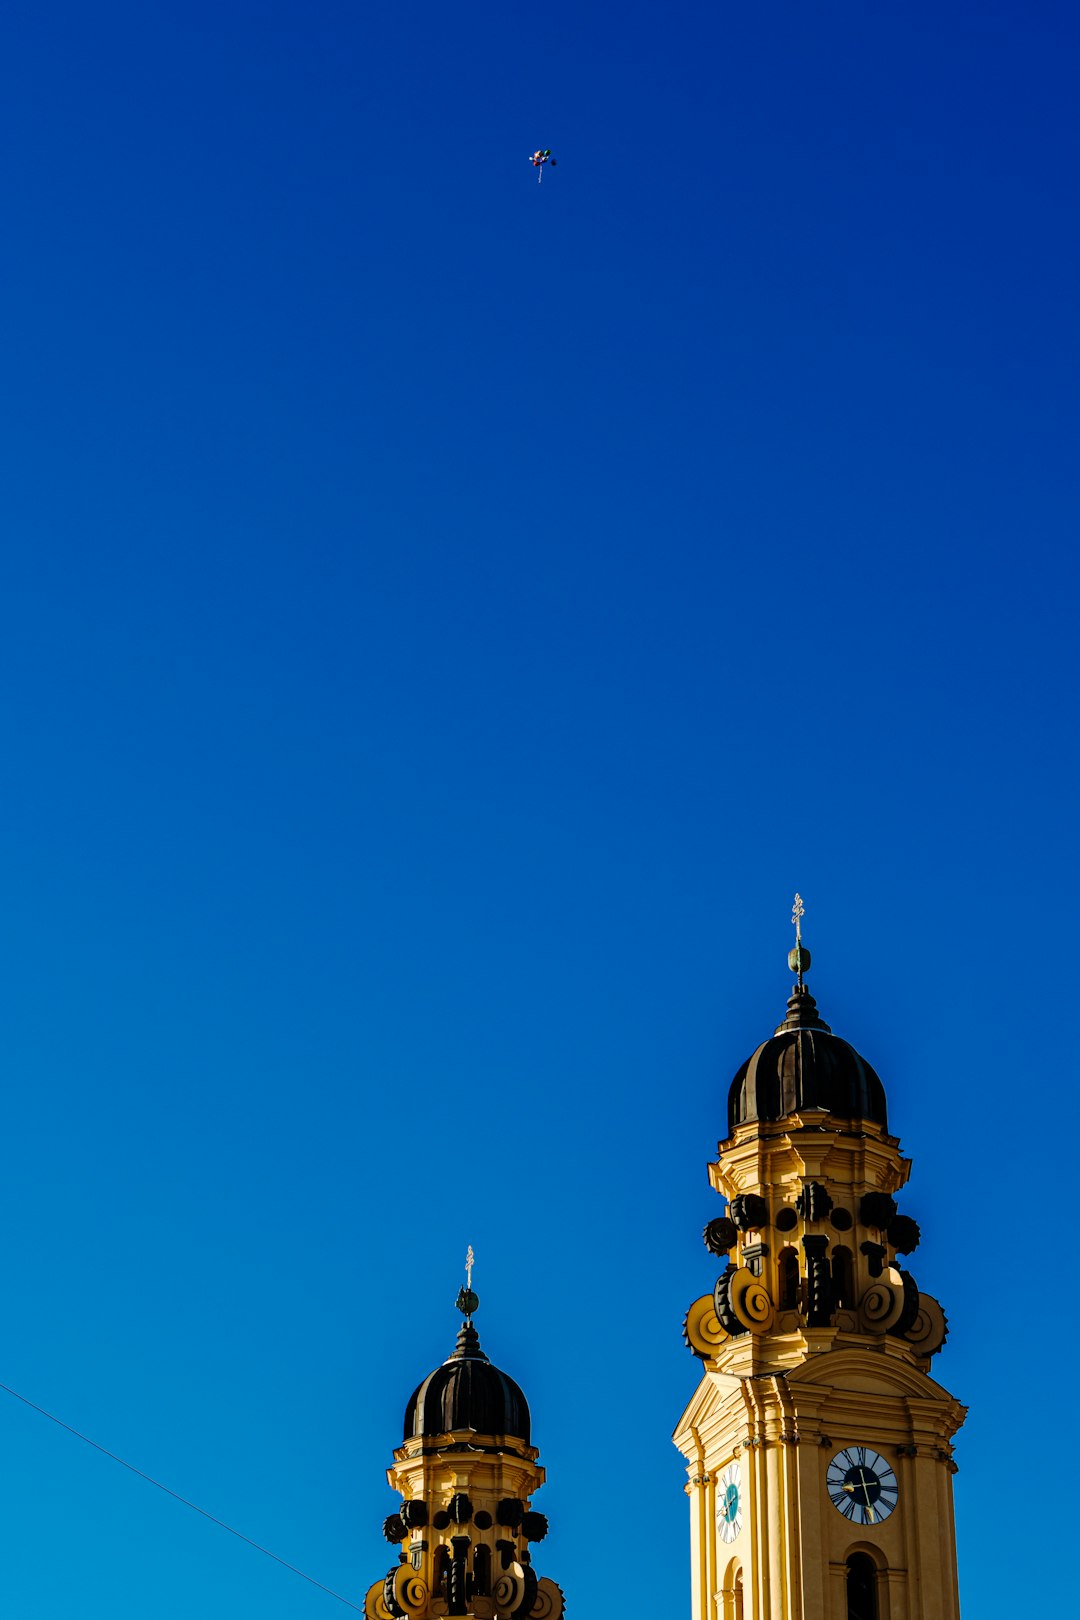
862,1603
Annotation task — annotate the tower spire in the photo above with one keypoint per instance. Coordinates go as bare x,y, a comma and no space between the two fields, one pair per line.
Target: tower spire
799,958
467,1302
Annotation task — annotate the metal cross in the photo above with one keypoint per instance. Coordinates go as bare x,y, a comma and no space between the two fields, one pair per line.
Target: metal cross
798,912
470,1261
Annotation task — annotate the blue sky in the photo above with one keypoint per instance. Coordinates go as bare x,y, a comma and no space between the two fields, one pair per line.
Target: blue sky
442,621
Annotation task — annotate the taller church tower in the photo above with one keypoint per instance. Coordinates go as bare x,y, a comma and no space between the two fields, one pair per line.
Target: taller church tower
819,1447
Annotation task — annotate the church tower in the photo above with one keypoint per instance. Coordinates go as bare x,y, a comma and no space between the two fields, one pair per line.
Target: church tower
466,1472
818,1445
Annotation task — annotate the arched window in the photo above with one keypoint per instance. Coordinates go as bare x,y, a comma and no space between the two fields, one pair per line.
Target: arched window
731,1593
481,1568
843,1278
788,1292
862,1603
441,1570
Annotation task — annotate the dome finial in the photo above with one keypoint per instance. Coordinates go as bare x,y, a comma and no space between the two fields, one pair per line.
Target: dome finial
798,959
467,1302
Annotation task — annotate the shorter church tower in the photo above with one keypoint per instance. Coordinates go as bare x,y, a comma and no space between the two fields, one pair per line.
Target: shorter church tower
466,1471
819,1448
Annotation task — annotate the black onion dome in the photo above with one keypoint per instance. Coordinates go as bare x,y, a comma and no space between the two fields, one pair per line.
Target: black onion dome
467,1392
803,1066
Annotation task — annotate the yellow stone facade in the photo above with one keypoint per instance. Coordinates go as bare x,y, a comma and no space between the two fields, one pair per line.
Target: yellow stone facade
819,1448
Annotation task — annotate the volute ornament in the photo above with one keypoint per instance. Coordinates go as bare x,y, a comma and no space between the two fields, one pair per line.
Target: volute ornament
374,1603
750,1301
702,1330
930,1329
882,1305
410,1590
549,1603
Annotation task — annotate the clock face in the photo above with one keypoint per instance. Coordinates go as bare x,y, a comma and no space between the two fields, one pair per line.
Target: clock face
861,1485
729,1502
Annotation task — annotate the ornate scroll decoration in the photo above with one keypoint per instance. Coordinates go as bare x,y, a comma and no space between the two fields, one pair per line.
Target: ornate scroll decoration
410,1590
750,1302
891,1304
375,1603
549,1601
930,1329
910,1308
701,1329
515,1591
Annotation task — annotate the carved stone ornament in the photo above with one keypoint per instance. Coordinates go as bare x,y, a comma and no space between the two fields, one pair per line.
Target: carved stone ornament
725,1315
528,1598
515,1590
460,1508
375,1604
930,1329
534,1526
721,1235
819,1290
884,1302
414,1514
410,1590
749,1211
903,1233
876,1209
389,1596
875,1257
813,1203
549,1603
750,1302
702,1330
393,1528
510,1512
457,1584
911,1304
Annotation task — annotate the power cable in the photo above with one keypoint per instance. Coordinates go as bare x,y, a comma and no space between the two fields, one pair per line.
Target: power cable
195,1508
